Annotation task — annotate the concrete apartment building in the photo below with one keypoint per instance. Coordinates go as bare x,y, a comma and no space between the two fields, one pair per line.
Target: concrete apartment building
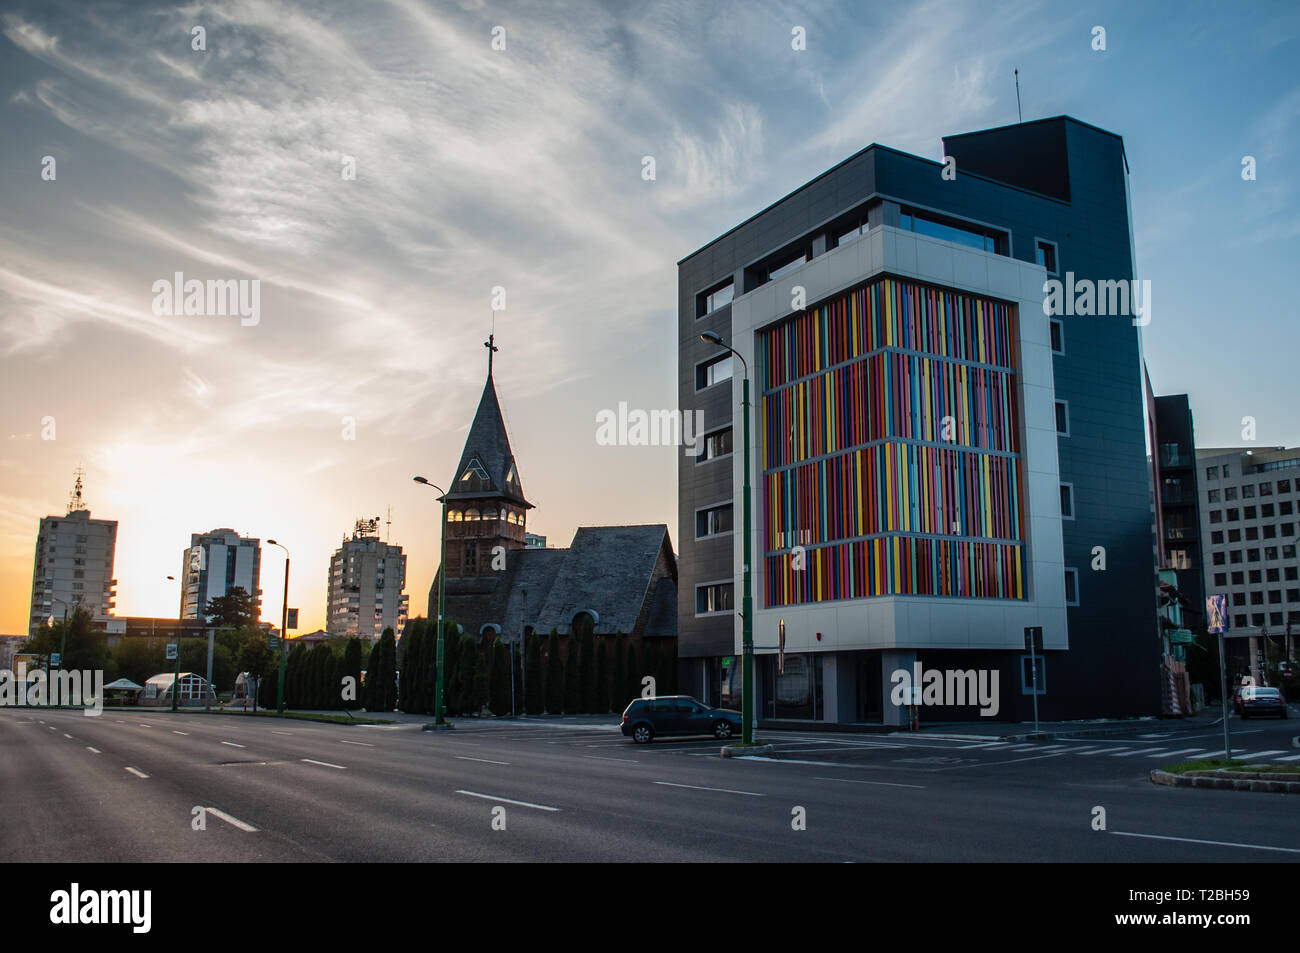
937,464
216,562
367,576
1249,525
73,566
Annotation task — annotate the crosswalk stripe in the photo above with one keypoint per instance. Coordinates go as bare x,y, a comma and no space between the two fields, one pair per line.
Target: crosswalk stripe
1259,754
1294,757
1128,754
1183,751
1089,754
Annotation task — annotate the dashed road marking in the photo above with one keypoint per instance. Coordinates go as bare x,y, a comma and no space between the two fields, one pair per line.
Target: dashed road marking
363,744
137,772
233,745
888,784
324,764
460,757
95,750
696,787
234,821
506,800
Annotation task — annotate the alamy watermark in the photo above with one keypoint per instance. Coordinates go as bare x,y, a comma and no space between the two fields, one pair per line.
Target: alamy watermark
242,296
1109,297
37,689
937,687
651,428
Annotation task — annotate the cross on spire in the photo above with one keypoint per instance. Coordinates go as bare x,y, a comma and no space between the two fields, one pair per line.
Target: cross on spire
492,349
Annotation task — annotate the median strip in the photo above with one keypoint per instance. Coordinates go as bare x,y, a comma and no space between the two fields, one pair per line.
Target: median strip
506,800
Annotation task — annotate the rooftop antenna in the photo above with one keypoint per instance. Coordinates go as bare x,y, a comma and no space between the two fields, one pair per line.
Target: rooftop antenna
388,525
1019,118
75,499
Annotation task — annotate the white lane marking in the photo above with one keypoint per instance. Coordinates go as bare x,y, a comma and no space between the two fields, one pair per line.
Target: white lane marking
460,757
236,822
274,732
820,764
233,745
52,728
986,744
695,787
506,800
1216,843
143,725
324,764
364,744
66,735
596,757
1021,747
180,732
96,750
985,764
1089,754
1127,754
136,772
1261,754
1294,757
1171,754
888,784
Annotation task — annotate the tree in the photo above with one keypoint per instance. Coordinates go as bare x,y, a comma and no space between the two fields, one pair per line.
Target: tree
139,659
372,666
85,649
255,655
385,674
295,668
415,666
619,687
470,674
602,676
534,697
554,676
352,669
499,680
587,670
235,610
318,693
451,666
409,650
572,675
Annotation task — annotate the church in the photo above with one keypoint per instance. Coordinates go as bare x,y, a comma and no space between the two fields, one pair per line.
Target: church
615,579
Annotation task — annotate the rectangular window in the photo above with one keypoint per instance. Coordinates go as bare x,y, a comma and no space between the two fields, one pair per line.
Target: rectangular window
1230,493
1063,417
1284,486
1234,514
1216,516
1071,587
713,371
1238,578
713,521
1234,536
716,444
1179,559
781,270
1255,577
1248,513
1058,336
1220,579
1266,489
1227,471
855,230
1248,491
1214,496
719,297
950,230
1218,559
1216,537
1211,473
1067,501
1239,621
1045,255
714,597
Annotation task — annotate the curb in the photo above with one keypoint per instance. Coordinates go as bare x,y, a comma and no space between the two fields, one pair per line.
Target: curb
731,752
1230,781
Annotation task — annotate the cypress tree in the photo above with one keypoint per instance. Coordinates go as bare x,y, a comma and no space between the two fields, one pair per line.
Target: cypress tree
602,676
421,669
352,669
587,671
534,696
451,663
618,689
479,682
554,676
467,664
369,701
388,664
572,675
293,668
499,695
317,673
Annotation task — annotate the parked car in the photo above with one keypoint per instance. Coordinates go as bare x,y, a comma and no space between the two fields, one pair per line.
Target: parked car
646,718
1258,700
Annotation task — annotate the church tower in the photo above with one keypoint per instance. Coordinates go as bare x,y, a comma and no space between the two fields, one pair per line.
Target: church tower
486,508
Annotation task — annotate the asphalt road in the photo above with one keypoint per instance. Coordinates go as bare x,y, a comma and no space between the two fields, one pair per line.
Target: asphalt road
124,786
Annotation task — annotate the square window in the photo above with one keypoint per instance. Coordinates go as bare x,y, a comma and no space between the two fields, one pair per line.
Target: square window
1252,532
1248,491
1238,598
1234,514
1216,537
1270,552
1266,510
1248,513
1288,552
1272,575
1211,473
1275,597
1218,559
1293,595
1239,621
1220,579
1266,489
713,371
1238,578
1275,618
1234,536
1213,496
1252,555
1284,486
1289,573
1229,493
1270,531
1255,577
1257,598
1234,557
1216,516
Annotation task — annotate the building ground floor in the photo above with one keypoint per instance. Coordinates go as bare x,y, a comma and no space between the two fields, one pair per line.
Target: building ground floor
886,687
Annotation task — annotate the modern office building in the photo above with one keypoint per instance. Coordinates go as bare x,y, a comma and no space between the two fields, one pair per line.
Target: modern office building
216,562
1249,501
366,583
937,462
1177,521
73,565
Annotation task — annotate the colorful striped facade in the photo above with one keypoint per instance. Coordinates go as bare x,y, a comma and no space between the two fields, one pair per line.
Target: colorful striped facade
889,440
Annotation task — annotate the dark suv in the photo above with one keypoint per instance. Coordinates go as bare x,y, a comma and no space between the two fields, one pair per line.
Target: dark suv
677,715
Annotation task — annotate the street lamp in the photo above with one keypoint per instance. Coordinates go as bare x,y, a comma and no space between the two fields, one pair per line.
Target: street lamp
284,627
747,605
438,714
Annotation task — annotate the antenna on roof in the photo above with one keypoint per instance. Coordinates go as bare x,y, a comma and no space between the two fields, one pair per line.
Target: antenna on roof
1019,118
388,525
75,500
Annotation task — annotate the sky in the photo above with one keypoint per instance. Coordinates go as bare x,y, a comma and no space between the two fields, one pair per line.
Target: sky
521,168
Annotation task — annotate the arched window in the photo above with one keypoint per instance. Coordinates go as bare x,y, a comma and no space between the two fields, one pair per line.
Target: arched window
455,516
512,516
471,514
489,514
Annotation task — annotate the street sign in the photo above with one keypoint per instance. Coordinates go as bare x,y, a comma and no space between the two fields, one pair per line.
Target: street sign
1033,638
293,619
275,643
171,651
55,659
